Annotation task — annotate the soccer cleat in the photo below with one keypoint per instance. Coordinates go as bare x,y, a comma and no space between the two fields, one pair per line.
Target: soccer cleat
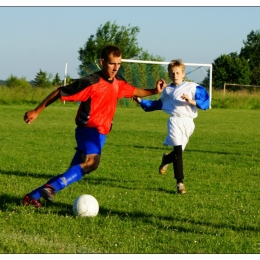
163,167
47,192
28,201
180,188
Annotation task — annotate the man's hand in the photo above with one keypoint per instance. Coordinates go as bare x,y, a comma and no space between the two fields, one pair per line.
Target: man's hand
30,116
137,99
160,85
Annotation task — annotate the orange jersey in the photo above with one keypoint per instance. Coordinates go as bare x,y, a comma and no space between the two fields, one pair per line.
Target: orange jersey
98,97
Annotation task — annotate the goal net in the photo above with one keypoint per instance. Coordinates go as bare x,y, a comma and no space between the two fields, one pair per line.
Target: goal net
144,74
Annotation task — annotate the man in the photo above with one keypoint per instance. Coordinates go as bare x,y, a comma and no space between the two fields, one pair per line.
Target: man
98,94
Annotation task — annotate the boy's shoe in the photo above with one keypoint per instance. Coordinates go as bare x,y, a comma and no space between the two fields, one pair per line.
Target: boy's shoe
28,201
163,167
180,188
47,192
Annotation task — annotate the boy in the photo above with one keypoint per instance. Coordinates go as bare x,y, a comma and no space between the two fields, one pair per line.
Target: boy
180,99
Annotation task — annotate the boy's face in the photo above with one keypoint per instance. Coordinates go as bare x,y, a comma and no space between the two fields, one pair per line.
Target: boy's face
177,75
111,66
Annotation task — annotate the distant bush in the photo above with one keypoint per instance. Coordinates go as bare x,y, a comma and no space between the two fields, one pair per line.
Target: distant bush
14,82
236,99
26,94
23,95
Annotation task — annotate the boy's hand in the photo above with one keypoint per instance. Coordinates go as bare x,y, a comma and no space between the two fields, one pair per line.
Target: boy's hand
187,99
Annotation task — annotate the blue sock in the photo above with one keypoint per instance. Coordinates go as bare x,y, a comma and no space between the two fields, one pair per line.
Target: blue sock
73,174
36,194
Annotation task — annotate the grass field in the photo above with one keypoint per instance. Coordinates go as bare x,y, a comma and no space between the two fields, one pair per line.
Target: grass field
139,210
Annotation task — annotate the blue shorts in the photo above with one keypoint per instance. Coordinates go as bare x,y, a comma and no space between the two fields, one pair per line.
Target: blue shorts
89,141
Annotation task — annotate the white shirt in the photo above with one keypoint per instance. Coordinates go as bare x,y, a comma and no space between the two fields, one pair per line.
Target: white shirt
173,104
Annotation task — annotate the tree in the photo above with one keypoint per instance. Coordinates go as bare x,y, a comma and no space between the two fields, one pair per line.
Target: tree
111,33
69,80
14,82
230,69
56,81
42,79
251,52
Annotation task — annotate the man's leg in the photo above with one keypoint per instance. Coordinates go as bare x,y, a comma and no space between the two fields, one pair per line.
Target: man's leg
90,145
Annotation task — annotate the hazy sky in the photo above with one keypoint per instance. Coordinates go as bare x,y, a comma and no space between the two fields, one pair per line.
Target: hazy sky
34,38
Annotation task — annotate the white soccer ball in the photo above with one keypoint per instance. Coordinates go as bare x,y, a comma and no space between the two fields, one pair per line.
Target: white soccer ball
85,206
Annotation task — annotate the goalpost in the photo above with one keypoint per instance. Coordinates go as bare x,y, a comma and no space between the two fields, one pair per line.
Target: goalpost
146,73
65,77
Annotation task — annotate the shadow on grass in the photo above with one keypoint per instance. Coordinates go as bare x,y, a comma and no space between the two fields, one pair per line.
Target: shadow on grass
163,148
27,174
97,181
173,223
186,150
124,184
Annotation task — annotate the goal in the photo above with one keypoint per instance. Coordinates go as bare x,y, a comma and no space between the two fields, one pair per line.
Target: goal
145,73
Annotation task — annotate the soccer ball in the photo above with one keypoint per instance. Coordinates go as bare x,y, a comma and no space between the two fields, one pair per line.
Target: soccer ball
85,206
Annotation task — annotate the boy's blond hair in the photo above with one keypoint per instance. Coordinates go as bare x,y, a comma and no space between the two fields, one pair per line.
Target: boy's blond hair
176,63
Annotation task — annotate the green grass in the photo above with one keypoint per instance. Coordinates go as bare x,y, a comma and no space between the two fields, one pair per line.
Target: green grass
243,99
139,210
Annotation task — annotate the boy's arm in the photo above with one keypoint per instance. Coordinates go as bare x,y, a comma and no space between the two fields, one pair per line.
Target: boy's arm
149,105
202,98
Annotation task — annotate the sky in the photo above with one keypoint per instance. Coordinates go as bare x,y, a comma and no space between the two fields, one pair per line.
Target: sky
34,38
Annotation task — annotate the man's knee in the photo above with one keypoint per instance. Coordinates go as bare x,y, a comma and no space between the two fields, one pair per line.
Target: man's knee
91,163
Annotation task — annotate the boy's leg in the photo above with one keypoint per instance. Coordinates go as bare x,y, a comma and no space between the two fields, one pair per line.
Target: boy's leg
178,164
178,169
175,157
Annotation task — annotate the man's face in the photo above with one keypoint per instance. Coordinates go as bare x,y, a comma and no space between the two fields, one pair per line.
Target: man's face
111,66
177,75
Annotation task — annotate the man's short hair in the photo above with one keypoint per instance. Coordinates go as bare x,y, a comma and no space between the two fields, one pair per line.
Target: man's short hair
106,51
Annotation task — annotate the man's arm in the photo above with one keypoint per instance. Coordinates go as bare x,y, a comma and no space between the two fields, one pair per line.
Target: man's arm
31,115
160,85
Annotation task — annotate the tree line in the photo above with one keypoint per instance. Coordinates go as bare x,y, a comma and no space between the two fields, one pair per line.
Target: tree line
237,68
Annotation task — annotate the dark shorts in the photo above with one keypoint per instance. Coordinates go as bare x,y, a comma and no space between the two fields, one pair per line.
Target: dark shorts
89,141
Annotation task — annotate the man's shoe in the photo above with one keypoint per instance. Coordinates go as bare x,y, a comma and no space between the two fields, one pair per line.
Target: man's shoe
163,167
181,188
28,201
47,192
